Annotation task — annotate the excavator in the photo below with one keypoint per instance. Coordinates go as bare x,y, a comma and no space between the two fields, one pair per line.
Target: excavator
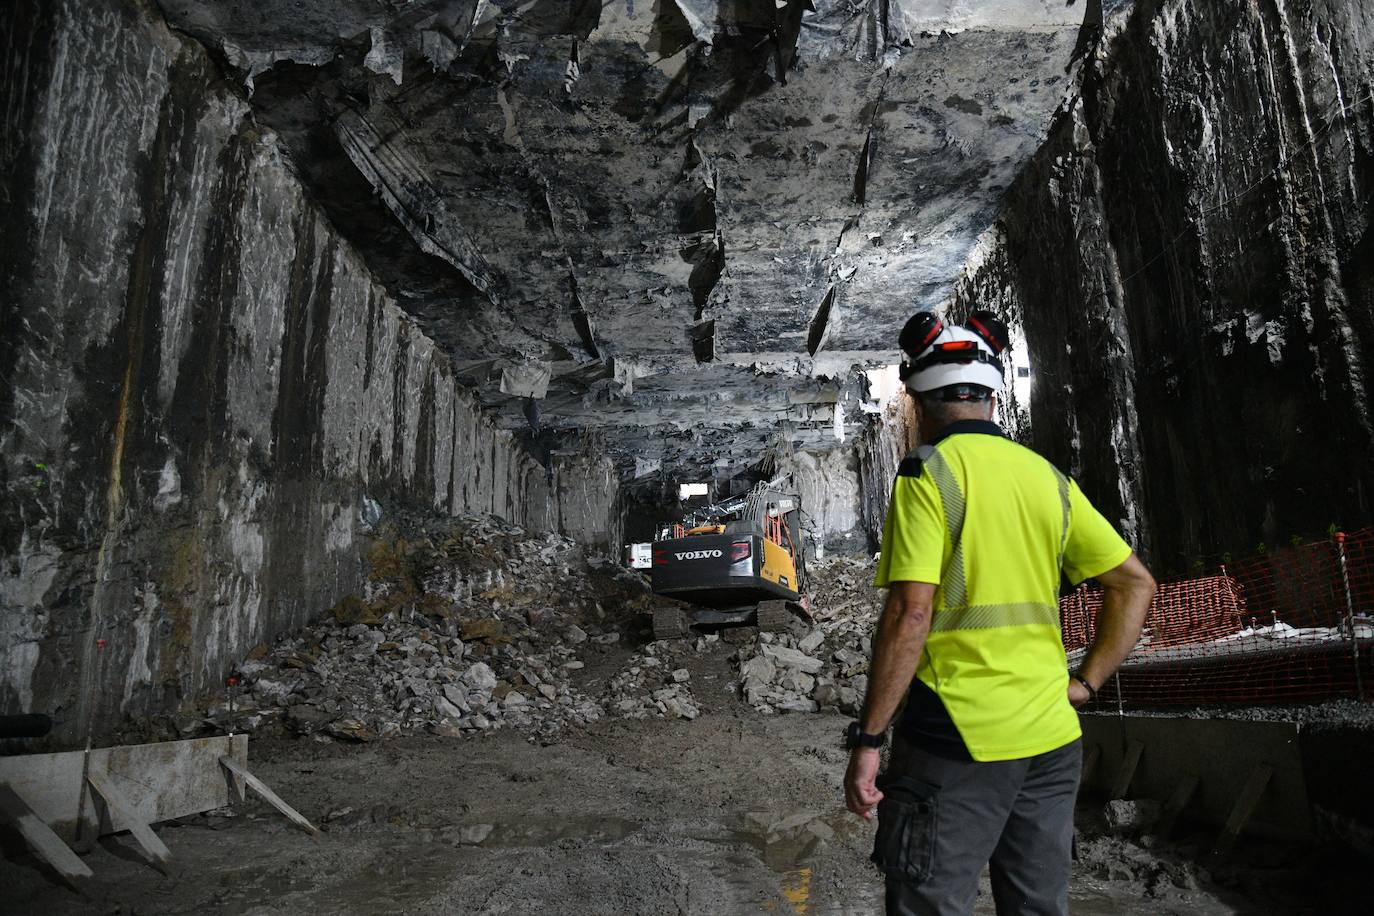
738,561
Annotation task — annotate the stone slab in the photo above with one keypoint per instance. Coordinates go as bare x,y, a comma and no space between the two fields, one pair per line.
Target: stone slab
155,782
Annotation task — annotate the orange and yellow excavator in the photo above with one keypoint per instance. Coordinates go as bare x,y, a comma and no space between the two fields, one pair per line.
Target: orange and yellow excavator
739,561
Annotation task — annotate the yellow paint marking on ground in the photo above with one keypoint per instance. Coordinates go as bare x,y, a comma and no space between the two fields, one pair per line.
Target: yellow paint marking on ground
798,893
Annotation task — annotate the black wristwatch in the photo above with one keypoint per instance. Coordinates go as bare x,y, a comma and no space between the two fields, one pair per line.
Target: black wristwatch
856,737
1092,693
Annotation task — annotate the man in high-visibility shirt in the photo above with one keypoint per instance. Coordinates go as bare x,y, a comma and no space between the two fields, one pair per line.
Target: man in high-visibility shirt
987,754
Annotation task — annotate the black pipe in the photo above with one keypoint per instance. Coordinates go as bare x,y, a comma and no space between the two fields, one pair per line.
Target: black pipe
30,725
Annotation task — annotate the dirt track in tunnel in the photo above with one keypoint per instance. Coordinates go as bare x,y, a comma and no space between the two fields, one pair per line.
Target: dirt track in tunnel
733,813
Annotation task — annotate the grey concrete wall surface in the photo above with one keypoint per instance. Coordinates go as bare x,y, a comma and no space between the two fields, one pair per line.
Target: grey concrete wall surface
1220,753
828,483
1192,257
203,391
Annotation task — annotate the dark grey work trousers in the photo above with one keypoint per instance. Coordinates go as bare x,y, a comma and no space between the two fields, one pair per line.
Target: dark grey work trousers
942,820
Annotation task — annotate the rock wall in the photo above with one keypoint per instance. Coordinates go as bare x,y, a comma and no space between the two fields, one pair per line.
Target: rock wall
1192,255
888,437
828,483
206,397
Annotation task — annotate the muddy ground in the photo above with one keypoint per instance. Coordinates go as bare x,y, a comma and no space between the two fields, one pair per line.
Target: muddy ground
733,813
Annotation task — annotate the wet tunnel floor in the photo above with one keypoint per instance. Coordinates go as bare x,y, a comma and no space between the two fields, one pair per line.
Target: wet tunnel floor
732,813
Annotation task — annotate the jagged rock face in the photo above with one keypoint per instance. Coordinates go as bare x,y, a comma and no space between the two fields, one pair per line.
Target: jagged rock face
207,398
1192,260
690,210
437,239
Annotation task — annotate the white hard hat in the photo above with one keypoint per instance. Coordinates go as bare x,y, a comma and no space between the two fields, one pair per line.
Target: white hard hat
941,355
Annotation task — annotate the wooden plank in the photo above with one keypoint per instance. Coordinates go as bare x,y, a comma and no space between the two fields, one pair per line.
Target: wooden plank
157,782
85,833
260,787
1090,763
1121,784
1221,753
1245,806
1182,794
117,808
45,844
236,784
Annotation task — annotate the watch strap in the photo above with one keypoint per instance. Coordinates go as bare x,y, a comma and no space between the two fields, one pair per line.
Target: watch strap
1092,691
856,737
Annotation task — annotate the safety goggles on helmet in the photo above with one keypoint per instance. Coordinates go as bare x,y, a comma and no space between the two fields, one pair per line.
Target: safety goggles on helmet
939,355
965,393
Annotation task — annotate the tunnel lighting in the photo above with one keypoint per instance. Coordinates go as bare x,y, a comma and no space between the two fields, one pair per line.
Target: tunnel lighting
688,490
1021,373
883,383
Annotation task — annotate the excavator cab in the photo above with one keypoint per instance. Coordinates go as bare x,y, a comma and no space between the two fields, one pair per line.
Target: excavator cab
737,562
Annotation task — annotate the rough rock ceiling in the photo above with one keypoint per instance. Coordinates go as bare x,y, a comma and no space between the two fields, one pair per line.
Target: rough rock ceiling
700,217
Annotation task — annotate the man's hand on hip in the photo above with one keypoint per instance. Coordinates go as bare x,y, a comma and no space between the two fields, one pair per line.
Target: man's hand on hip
861,794
1126,594
1078,694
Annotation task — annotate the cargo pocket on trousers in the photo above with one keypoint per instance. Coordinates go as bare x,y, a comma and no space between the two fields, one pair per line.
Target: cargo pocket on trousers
905,845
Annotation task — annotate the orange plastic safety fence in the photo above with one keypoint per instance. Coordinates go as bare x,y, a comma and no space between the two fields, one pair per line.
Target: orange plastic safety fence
1291,625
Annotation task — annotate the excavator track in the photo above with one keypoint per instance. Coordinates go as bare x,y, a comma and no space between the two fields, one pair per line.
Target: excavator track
670,623
773,616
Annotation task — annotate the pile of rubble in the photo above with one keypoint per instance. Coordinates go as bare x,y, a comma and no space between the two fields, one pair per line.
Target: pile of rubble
823,665
472,624
363,682
464,626
651,685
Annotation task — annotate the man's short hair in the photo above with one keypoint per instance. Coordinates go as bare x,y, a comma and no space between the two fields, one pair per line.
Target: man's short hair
942,406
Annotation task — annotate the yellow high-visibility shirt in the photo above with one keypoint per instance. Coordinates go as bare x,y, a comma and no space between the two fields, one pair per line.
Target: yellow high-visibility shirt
992,524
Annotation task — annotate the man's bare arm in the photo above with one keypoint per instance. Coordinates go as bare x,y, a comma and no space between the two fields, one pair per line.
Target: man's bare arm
1128,590
897,647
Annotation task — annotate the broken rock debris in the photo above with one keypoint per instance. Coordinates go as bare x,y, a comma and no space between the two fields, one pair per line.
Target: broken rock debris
821,664
472,624
465,626
651,686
